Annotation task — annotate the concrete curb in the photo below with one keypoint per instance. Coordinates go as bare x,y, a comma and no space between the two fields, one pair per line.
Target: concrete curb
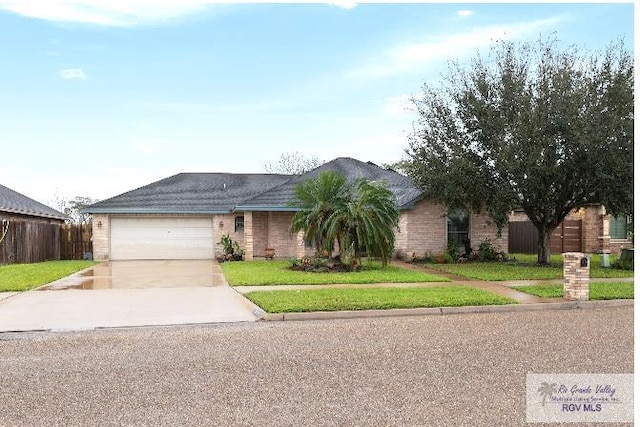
397,312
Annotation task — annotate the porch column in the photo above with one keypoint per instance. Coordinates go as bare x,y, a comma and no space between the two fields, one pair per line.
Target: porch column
248,236
300,249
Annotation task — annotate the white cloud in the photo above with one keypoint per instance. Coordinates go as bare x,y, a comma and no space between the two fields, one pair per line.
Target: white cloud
415,56
465,12
73,74
105,12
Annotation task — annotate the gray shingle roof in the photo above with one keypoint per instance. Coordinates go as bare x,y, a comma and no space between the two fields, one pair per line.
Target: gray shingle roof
191,193
16,203
403,187
226,192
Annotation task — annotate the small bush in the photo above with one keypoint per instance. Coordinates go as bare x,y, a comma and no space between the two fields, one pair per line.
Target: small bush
443,258
486,251
626,264
428,257
453,249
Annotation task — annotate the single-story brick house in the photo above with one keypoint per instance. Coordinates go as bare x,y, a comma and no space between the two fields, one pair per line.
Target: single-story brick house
29,230
184,216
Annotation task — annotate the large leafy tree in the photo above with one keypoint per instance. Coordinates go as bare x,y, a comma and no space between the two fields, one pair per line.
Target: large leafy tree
360,216
532,125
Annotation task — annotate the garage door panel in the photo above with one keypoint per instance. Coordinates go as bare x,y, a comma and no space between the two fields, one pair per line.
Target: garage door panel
162,238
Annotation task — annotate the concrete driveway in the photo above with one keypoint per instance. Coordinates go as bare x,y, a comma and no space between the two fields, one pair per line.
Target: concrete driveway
129,293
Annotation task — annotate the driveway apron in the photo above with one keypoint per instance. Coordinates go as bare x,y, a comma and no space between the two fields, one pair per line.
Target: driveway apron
129,293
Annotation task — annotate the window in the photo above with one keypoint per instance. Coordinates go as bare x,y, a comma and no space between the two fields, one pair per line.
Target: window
239,224
458,226
618,227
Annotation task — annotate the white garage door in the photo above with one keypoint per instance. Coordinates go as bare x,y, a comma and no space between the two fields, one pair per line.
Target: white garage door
161,238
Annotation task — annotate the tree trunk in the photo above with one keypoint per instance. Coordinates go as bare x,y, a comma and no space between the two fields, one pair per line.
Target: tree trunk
544,245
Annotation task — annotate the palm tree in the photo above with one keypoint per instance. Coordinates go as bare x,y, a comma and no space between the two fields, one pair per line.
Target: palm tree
317,199
360,216
545,390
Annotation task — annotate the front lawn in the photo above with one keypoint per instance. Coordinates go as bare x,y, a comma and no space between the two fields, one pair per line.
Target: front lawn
277,273
621,290
372,298
525,268
22,277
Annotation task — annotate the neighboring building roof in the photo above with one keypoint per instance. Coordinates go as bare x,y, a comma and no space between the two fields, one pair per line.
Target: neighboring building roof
19,204
227,192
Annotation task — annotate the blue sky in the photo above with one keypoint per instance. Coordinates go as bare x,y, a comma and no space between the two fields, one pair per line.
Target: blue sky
100,97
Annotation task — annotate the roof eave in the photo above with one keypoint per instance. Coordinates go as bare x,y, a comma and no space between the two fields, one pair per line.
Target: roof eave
266,208
155,211
34,214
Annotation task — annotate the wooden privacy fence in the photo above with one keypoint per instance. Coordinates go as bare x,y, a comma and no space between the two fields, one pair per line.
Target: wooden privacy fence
567,237
26,242
75,241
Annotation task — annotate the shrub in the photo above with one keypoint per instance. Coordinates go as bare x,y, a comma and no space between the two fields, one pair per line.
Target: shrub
232,250
486,251
428,257
443,258
453,249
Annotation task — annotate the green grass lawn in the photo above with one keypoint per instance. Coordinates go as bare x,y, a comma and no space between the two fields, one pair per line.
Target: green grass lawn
21,277
372,298
621,290
277,273
525,268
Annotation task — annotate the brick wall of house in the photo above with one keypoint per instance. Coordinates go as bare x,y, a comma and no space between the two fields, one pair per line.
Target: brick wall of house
225,224
260,233
100,236
422,229
518,216
482,227
279,235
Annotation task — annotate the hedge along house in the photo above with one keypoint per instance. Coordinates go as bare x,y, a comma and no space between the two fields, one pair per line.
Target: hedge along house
185,215
29,230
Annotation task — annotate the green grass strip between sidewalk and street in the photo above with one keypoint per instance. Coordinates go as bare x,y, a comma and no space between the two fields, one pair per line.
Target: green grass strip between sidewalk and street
597,291
257,273
525,268
22,277
372,298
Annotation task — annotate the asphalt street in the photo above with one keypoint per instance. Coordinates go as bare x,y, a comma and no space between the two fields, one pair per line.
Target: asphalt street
453,370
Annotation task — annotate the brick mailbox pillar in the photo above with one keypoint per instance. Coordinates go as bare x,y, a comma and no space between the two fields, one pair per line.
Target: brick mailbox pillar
576,276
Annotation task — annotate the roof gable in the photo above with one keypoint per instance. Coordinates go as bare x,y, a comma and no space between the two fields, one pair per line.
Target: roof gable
403,188
13,202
